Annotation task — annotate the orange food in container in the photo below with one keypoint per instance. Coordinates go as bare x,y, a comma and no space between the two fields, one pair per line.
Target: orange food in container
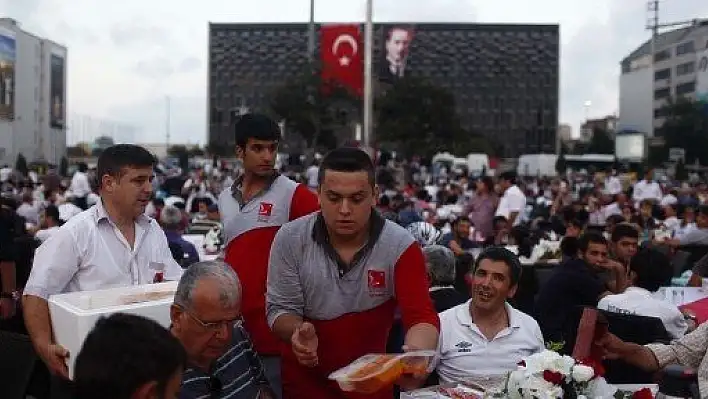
374,372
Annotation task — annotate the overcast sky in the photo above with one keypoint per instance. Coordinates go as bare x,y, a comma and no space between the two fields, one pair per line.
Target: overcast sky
126,56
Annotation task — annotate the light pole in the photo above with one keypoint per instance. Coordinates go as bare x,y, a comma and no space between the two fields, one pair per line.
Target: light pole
368,77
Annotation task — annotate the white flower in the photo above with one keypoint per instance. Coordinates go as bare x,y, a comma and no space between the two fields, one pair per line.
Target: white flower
600,389
582,373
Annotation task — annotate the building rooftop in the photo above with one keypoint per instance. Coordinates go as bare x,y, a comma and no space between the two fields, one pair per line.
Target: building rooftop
666,39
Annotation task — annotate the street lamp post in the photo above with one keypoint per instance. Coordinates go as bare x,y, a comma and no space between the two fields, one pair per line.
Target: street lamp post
368,77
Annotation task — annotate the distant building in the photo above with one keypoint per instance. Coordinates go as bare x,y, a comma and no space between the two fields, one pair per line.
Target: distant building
643,93
32,96
504,77
608,124
565,132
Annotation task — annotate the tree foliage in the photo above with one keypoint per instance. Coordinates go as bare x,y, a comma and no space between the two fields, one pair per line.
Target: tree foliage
421,118
685,126
76,151
312,112
21,165
220,150
561,166
601,142
681,174
64,167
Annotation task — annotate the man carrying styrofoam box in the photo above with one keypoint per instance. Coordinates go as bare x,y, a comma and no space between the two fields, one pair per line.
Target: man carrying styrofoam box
112,244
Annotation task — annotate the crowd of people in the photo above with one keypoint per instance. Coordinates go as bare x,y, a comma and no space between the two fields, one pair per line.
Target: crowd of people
319,268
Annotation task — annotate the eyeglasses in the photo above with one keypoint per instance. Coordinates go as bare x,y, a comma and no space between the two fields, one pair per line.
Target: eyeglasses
214,326
215,387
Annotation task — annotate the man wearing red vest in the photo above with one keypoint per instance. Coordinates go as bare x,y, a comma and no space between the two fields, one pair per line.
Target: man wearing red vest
252,211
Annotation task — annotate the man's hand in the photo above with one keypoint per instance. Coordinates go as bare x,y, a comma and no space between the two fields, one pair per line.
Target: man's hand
611,346
7,308
611,265
305,343
415,380
54,356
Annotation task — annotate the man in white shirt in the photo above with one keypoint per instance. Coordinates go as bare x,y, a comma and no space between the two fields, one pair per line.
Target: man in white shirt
485,338
49,223
513,201
80,187
647,189
311,173
613,185
649,270
113,244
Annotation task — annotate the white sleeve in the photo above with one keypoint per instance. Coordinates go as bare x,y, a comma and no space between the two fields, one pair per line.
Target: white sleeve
517,203
56,262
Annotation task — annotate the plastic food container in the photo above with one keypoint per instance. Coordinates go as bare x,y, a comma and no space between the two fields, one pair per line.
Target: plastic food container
74,314
371,373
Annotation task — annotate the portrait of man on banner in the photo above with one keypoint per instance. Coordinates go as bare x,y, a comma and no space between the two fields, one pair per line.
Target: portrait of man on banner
7,75
397,41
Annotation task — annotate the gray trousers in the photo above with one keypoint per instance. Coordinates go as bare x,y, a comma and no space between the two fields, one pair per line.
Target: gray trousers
272,372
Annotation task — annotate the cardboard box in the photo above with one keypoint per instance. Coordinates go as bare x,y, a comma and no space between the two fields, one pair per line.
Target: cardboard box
74,314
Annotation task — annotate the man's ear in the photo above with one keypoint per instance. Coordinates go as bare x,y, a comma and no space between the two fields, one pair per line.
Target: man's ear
146,391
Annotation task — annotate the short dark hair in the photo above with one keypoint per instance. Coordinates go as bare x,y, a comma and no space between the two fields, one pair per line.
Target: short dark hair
590,237
124,352
509,176
255,126
623,230
52,211
501,254
652,268
347,159
115,158
459,219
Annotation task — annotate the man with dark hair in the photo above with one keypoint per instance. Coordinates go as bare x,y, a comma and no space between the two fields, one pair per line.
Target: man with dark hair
80,186
458,239
577,283
129,357
624,243
513,201
485,338
252,210
340,273
49,223
649,270
112,244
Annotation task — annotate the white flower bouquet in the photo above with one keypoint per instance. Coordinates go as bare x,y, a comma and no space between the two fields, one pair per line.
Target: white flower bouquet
549,375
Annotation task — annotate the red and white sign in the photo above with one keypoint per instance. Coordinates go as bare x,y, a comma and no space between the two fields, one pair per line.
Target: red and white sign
341,54
265,209
377,279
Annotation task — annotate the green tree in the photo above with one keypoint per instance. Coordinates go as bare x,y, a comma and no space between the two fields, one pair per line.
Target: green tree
76,151
685,126
421,119
601,142
561,166
196,151
177,150
21,165
64,167
681,174
311,111
219,150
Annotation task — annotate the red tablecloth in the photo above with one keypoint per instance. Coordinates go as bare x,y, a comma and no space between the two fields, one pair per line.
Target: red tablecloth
699,308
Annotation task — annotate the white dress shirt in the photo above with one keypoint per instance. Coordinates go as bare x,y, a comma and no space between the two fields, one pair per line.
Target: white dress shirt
647,190
512,201
465,354
80,186
90,253
613,185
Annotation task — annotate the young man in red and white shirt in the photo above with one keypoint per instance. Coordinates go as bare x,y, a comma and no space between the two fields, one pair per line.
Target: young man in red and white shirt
252,211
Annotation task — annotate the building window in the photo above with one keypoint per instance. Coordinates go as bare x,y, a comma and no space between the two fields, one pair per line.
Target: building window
662,93
685,88
661,112
662,55
662,74
685,69
685,48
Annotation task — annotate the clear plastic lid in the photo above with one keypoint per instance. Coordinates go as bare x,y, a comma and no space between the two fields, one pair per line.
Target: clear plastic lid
372,365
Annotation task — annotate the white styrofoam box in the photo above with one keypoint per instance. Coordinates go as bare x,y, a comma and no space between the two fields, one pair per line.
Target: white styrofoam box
74,314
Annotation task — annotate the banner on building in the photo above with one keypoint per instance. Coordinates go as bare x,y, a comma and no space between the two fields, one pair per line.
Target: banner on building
341,53
394,55
7,74
702,76
57,92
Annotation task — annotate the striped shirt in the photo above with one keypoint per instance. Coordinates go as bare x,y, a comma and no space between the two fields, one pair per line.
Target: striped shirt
237,374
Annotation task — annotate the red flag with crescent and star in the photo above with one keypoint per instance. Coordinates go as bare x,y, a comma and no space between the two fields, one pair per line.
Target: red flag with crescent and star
342,57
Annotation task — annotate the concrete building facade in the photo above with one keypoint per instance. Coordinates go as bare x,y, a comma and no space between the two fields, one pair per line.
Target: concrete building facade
644,90
505,78
33,110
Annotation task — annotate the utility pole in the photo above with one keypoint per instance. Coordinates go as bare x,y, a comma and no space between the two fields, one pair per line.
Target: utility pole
368,77
311,33
653,26
167,122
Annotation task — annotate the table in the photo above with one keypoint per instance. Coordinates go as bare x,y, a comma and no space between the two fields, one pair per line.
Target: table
198,241
429,393
681,295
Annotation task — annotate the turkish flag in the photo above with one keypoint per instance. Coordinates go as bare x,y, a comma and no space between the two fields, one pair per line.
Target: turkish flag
341,54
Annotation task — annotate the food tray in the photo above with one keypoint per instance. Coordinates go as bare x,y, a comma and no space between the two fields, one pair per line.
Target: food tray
373,372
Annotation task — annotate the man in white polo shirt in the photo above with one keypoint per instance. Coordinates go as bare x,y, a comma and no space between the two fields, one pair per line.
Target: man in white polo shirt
112,244
485,338
513,202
